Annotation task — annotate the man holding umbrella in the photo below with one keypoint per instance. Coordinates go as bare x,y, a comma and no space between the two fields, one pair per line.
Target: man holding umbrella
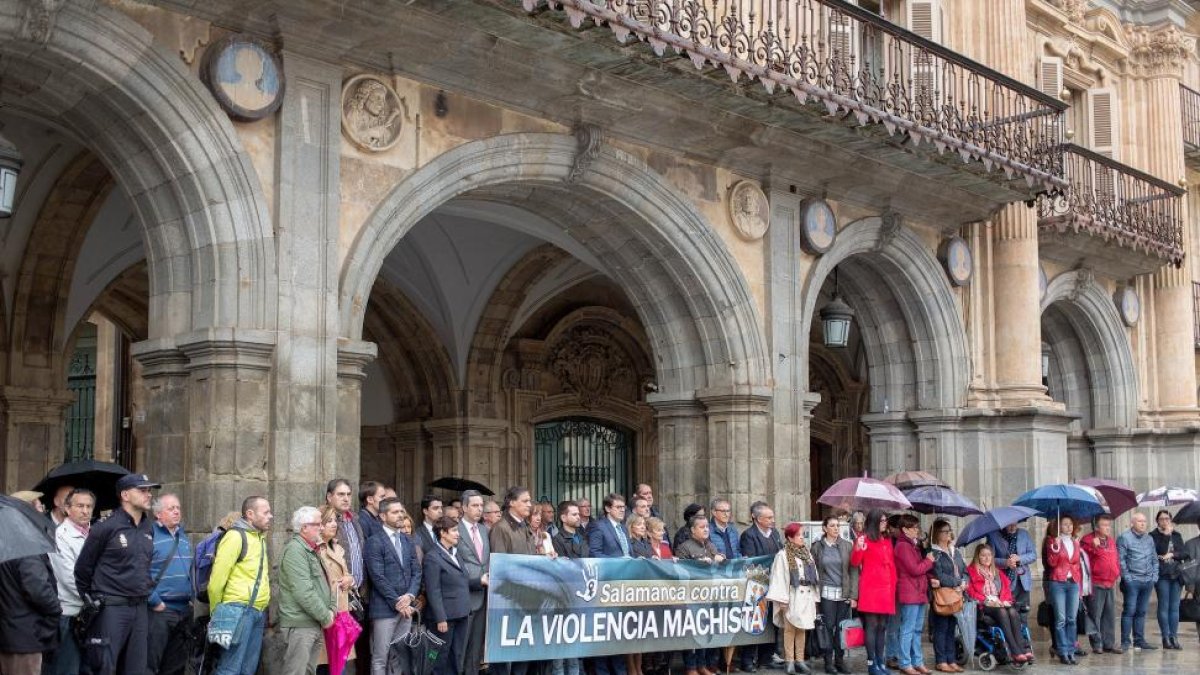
1015,553
113,569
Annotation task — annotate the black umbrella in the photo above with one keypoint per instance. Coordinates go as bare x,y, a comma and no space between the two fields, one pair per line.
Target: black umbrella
1188,515
99,477
417,652
455,484
26,532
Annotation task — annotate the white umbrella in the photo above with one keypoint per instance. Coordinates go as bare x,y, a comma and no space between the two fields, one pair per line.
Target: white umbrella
1168,496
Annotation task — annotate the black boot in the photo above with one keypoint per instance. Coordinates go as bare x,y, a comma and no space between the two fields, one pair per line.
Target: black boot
829,669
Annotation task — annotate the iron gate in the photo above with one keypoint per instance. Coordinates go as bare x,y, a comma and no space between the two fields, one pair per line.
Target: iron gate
581,458
81,416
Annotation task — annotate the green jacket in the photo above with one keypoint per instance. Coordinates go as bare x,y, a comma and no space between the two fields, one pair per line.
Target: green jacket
306,599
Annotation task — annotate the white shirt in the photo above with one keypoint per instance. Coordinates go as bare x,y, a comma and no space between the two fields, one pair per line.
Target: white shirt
68,542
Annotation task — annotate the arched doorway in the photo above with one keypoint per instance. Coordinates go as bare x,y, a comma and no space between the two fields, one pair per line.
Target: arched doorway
701,329
1089,368
907,355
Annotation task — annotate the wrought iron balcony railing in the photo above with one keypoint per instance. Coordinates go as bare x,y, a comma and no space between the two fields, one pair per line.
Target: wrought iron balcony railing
854,63
1189,105
1117,204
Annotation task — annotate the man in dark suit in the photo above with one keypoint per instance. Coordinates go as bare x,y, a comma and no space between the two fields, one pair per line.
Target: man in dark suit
431,511
761,538
370,496
448,592
395,583
474,550
607,537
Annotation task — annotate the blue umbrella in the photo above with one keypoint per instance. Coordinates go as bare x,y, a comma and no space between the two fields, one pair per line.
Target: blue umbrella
1052,501
993,521
937,499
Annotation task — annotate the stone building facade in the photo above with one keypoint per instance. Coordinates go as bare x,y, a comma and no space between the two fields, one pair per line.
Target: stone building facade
581,244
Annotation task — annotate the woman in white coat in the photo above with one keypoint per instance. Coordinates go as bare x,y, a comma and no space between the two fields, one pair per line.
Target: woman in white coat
793,589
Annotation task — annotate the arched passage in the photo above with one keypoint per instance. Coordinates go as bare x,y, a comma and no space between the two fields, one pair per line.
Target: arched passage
693,301
607,208
98,75
1091,368
911,332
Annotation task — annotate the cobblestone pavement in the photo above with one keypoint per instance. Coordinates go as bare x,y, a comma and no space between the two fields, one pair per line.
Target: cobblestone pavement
1159,661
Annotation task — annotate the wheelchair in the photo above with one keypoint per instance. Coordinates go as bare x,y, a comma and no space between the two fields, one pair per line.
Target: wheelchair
990,649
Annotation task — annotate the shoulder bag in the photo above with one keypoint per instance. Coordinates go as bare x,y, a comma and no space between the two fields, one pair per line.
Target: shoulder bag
227,628
948,601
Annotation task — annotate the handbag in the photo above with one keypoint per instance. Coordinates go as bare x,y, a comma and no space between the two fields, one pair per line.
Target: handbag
1189,609
947,601
227,626
1045,615
821,634
851,634
356,607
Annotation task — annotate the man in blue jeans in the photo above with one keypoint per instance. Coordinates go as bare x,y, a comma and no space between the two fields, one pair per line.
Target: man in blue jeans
1139,572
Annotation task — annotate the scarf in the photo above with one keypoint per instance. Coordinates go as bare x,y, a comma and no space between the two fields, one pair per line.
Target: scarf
797,555
1010,538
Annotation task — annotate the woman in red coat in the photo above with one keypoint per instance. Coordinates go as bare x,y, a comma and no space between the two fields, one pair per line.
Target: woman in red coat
912,585
1066,575
991,589
875,559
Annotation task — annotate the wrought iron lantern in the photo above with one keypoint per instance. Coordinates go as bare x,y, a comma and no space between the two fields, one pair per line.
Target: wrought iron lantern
10,167
836,318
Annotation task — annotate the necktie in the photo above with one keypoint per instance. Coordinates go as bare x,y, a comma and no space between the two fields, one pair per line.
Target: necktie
398,538
477,542
624,541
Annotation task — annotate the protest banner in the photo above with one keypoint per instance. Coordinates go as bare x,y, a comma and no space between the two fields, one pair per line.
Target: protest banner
540,608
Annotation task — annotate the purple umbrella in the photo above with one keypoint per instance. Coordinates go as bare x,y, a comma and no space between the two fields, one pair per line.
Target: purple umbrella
864,494
1120,497
992,521
934,499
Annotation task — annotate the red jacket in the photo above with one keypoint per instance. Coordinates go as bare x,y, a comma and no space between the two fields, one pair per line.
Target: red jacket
1106,566
912,568
1059,563
975,588
877,588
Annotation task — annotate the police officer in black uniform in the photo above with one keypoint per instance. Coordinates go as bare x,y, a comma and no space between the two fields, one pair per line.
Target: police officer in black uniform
113,569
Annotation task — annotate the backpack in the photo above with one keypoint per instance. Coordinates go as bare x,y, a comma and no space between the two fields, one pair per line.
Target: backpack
202,564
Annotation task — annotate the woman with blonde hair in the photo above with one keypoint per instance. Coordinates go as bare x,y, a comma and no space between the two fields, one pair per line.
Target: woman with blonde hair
793,589
337,571
657,530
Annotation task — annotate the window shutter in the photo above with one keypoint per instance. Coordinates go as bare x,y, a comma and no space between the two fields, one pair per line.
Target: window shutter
1102,132
1050,76
1102,121
843,40
925,19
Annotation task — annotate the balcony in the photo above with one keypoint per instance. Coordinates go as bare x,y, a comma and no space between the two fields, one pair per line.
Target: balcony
833,72
1111,217
1189,105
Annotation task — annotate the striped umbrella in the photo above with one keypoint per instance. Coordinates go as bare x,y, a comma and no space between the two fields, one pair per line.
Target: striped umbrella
1168,496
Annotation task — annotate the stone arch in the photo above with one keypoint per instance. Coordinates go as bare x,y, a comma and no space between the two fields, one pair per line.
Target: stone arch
484,360
933,355
173,152
1077,310
39,336
690,295
411,356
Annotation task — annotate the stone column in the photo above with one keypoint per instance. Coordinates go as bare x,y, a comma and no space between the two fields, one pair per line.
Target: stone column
352,357
227,455
33,433
162,423
1017,320
1110,454
309,387
108,356
1159,56
682,454
893,443
740,464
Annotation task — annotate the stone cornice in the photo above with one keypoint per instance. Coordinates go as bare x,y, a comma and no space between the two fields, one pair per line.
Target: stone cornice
353,356
34,405
228,348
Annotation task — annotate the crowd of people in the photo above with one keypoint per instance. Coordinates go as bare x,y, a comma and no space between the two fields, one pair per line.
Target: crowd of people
120,595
